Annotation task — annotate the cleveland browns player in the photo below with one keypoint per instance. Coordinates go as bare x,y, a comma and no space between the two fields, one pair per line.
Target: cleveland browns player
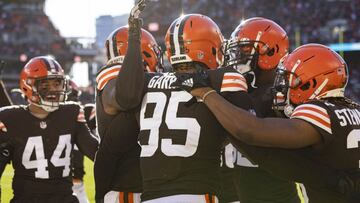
180,139
324,125
117,169
39,138
255,49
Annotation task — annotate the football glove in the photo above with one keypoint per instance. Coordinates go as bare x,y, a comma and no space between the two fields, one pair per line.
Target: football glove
134,21
191,81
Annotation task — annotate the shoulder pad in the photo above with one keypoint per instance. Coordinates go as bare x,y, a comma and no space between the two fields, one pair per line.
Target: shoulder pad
314,113
233,81
106,74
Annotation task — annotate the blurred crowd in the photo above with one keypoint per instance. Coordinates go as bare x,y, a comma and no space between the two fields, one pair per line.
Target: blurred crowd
312,21
26,31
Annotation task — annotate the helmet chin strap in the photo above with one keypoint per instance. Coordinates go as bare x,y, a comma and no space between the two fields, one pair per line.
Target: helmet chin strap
46,108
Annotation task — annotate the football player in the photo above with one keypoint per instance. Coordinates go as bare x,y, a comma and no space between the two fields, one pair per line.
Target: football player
324,125
180,139
255,49
117,170
39,138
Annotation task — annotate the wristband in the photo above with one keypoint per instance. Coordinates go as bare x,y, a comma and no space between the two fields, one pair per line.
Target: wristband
207,94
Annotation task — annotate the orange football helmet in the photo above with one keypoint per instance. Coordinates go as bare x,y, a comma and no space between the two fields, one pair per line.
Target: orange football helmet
256,43
40,70
311,71
194,38
117,43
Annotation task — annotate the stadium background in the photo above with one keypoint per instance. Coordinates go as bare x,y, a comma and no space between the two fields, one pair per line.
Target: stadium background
26,31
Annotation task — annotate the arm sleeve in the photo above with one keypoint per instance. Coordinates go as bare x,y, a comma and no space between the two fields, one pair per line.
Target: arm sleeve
120,138
86,141
78,164
131,79
6,151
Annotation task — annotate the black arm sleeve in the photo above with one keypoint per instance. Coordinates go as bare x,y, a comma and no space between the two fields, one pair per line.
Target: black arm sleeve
119,139
130,80
78,164
6,152
86,141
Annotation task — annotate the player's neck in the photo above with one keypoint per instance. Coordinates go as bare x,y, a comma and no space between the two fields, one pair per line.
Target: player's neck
37,111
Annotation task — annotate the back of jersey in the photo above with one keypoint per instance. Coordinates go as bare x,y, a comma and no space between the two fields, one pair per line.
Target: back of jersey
338,122
180,140
339,125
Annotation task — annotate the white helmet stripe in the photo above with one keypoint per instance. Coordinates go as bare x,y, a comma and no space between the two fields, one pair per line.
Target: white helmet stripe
290,80
176,35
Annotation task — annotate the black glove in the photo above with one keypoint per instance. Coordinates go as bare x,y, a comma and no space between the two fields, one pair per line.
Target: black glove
134,21
191,81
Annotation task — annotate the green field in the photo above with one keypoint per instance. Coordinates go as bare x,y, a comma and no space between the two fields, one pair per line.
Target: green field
7,194
6,191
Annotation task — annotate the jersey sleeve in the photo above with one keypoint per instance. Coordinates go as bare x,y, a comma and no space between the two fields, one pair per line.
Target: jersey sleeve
6,149
233,82
85,140
317,115
105,75
233,87
90,113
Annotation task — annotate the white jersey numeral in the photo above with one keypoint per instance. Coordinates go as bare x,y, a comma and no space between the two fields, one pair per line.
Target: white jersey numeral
229,156
41,163
173,122
243,161
353,140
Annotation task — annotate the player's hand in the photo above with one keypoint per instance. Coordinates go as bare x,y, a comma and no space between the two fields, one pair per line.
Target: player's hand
137,9
191,81
134,21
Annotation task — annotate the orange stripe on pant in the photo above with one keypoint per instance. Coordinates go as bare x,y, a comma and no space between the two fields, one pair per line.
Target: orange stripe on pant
121,197
207,198
130,197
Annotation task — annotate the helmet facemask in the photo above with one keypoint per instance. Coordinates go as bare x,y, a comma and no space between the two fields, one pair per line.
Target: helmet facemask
156,49
243,55
49,92
281,89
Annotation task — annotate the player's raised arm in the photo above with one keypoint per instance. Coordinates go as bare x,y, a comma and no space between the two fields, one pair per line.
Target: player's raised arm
130,82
